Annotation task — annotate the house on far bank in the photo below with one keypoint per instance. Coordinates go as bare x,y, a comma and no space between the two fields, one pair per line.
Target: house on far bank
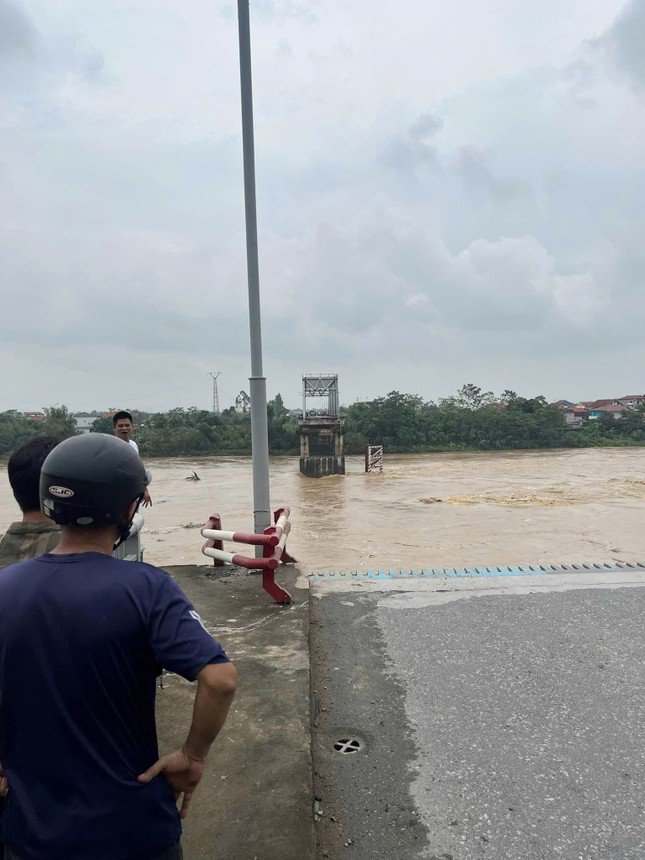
575,417
84,421
633,400
615,409
598,404
34,416
576,414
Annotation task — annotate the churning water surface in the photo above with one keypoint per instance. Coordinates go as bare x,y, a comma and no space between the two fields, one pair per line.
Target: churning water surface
426,510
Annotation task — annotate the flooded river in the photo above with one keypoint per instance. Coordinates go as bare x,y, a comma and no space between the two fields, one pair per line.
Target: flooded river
426,510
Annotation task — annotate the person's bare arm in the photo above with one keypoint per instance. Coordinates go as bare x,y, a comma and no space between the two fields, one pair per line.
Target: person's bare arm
184,768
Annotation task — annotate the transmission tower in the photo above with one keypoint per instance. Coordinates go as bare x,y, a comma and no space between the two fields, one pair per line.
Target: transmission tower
215,392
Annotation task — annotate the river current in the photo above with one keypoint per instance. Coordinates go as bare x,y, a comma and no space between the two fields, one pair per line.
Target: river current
426,510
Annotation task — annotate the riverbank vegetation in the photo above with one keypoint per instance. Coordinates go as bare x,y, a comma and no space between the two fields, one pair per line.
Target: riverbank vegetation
403,423
16,429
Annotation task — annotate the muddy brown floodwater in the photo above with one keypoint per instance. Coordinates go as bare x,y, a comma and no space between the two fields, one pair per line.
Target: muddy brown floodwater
426,510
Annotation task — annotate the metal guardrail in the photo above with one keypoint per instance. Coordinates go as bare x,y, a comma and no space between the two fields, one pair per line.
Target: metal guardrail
273,542
132,549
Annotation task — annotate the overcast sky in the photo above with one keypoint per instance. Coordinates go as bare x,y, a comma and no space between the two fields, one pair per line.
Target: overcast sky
447,192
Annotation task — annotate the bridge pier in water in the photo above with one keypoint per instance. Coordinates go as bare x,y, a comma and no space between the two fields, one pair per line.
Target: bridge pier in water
321,430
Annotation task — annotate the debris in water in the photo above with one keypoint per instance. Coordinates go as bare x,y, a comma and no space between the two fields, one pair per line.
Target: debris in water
193,477
430,501
515,500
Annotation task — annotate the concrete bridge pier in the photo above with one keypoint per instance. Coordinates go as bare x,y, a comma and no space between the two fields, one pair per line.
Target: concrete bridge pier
321,431
321,447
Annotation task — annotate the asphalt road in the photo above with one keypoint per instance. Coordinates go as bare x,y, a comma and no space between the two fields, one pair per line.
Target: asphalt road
496,719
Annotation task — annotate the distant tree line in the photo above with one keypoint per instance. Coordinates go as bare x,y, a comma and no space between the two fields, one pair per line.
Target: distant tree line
15,429
477,420
403,423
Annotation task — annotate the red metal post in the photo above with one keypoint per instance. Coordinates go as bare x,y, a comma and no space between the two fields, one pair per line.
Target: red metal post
214,522
279,594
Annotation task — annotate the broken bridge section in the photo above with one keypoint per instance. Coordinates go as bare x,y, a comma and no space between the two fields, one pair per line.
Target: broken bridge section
321,430
492,716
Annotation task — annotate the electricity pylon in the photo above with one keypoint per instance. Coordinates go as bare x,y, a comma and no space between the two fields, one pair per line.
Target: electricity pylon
215,392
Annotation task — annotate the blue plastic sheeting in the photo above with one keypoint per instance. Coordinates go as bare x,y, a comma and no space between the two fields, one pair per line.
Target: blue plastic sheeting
476,572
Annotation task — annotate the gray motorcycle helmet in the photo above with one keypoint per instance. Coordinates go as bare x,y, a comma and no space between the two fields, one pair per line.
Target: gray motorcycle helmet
90,480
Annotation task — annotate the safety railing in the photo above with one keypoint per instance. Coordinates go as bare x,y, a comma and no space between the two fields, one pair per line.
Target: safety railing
132,549
274,549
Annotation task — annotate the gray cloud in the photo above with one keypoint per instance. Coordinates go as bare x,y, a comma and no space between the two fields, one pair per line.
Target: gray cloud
414,148
472,167
425,127
501,241
279,11
371,280
618,51
624,43
17,32
275,11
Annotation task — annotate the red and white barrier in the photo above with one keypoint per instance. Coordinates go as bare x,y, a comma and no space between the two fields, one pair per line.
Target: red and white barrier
273,543
374,458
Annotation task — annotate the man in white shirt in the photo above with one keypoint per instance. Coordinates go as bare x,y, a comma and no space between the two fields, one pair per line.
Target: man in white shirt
123,427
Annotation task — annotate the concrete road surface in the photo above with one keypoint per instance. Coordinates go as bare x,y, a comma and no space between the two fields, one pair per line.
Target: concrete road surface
491,718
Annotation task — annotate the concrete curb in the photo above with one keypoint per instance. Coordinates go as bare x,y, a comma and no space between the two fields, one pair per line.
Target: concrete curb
255,800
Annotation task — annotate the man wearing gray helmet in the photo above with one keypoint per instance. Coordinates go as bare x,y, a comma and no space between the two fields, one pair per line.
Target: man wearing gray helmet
83,637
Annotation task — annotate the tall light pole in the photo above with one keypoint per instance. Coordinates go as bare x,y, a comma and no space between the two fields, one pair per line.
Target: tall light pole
257,380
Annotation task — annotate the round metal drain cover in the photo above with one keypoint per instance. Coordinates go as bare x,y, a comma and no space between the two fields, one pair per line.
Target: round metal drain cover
346,746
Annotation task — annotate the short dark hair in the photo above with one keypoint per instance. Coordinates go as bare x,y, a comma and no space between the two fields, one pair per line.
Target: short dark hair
119,416
24,470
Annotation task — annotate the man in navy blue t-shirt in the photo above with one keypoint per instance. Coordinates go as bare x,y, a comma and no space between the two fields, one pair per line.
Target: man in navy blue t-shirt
83,637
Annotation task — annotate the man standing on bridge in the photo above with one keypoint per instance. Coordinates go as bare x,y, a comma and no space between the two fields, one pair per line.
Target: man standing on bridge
123,427
35,533
83,637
